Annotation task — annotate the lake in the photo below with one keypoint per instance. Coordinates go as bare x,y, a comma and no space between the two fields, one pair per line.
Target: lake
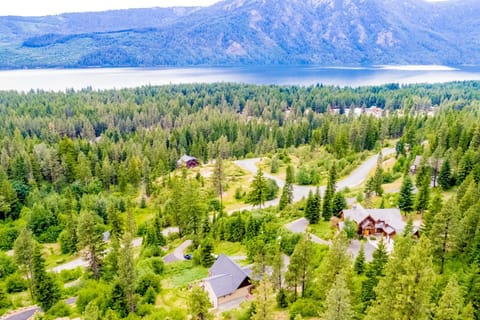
108,78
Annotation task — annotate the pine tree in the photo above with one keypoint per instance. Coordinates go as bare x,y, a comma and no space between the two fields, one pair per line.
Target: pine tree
91,311
339,203
23,248
423,195
206,253
258,193
359,265
90,237
338,301
218,179
374,272
450,305
46,290
198,304
445,175
378,177
311,209
126,270
264,302
287,196
277,269
329,193
404,292
290,176
444,229
317,206
405,200
336,256
300,269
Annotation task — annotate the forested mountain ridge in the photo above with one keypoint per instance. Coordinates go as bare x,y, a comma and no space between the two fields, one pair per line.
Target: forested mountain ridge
232,32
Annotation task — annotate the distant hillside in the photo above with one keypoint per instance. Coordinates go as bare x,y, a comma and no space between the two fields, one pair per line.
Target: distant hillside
232,32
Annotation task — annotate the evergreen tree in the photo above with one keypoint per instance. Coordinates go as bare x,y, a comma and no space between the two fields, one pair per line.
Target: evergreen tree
126,270
336,256
264,302
450,305
405,200
277,269
91,311
339,203
327,210
206,253
23,248
423,195
218,179
299,271
444,229
338,306
258,193
359,265
404,292
287,190
374,272
378,177
90,237
46,290
312,208
445,175
198,304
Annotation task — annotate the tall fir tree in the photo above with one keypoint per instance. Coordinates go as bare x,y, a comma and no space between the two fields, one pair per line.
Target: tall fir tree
218,179
450,305
90,238
23,248
423,195
339,203
374,272
445,178
329,193
405,200
258,193
199,304
359,265
300,269
264,300
338,302
444,231
312,208
126,270
378,176
47,293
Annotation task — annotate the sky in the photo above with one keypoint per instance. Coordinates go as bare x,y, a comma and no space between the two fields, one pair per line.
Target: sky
47,7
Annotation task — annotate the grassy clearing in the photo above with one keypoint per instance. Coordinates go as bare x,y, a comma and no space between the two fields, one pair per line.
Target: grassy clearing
322,230
181,274
230,248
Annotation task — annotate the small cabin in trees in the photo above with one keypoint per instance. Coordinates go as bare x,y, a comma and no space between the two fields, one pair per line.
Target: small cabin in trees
227,281
188,162
375,222
416,164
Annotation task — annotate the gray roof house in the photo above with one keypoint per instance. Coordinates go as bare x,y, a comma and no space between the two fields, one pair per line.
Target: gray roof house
227,281
387,222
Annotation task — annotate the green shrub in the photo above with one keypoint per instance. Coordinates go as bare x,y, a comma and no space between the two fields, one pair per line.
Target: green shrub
148,280
7,266
70,275
16,283
304,307
60,310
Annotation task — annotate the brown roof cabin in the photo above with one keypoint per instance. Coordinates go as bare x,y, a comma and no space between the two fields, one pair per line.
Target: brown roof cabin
188,162
384,222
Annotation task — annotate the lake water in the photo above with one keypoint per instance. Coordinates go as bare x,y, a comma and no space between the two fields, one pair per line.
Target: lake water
108,78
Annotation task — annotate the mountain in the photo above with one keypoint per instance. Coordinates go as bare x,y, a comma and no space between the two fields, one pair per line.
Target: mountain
239,32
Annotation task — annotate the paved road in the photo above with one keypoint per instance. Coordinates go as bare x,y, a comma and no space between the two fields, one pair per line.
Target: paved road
300,226
29,312
353,180
177,254
82,263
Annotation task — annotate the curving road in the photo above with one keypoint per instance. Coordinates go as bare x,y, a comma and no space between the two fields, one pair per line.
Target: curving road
355,178
177,254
